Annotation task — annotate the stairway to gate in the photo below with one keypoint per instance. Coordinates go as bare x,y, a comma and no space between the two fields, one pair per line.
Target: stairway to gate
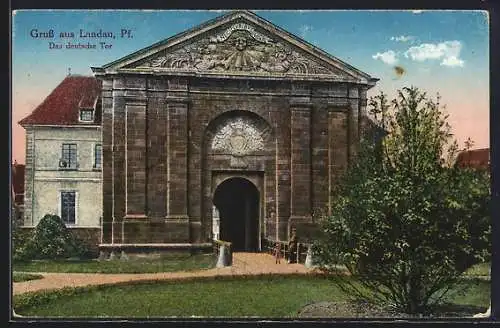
262,263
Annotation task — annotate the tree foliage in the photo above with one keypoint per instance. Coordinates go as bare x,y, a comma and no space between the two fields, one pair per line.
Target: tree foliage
406,221
19,239
52,240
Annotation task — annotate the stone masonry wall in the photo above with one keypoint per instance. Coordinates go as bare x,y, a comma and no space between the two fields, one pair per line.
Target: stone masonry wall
158,163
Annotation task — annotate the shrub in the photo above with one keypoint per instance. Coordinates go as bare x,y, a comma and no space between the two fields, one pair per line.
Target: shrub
52,240
20,239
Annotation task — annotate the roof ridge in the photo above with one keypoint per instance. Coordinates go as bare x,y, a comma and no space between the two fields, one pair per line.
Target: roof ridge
79,75
477,149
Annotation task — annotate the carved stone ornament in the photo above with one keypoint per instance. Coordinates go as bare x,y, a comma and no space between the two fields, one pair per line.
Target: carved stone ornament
239,47
239,137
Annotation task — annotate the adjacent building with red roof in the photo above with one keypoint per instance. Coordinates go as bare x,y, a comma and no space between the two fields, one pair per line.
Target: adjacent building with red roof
475,158
17,182
17,176
63,156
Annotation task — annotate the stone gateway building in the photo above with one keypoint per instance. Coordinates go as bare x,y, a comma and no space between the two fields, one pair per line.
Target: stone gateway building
235,129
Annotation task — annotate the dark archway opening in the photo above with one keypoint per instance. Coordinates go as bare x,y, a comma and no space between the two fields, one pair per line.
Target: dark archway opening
237,200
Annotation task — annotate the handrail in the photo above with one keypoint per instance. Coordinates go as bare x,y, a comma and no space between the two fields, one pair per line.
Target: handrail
301,251
222,242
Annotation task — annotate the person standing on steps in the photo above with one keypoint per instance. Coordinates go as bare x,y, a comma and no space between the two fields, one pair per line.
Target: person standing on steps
277,252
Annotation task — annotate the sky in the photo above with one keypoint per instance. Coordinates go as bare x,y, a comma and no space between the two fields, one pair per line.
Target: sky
445,52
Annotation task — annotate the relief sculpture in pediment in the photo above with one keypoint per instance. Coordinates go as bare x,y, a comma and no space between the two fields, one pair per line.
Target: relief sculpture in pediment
238,48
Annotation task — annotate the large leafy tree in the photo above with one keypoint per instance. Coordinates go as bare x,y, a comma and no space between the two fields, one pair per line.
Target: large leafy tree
406,221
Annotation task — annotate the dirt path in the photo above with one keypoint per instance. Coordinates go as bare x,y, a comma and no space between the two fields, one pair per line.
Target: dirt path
243,264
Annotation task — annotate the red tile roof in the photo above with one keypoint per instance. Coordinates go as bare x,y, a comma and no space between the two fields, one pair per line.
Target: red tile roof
477,158
18,182
63,104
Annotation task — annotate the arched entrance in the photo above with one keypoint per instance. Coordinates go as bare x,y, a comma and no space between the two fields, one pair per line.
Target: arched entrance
237,201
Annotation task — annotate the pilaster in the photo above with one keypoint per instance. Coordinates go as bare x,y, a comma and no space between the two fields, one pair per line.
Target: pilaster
300,160
338,147
107,159
177,100
278,188
136,157
157,131
353,122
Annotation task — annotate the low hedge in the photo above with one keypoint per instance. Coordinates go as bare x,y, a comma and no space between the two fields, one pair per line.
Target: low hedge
23,276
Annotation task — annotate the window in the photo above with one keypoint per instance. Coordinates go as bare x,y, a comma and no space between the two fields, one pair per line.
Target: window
86,115
68,207
68,159
97,156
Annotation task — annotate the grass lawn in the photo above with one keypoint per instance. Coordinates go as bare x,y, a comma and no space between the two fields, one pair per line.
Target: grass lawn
166,264
481,269
20,277
264,296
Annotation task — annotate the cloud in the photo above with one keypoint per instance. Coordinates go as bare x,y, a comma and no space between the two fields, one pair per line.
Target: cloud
305,29
402,38
425,70
448,52
452,61
389,57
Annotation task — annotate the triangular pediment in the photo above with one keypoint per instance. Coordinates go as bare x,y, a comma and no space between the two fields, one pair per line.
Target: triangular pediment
238,43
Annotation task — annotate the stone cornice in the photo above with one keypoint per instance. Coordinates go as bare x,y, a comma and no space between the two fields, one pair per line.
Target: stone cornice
300,103
180,218
135,101
86,126
177,99
230,75
135,217
339,105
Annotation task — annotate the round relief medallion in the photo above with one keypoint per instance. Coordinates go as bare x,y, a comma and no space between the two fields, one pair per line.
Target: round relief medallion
238,143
